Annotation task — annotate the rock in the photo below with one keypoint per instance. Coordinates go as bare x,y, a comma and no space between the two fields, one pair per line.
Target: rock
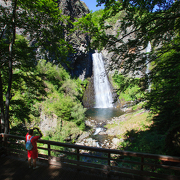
83,136
102,133
47,123
81,61
91,142
73,8
90,123
116,141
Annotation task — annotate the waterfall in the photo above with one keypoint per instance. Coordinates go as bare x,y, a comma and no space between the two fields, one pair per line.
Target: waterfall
148,49
103,95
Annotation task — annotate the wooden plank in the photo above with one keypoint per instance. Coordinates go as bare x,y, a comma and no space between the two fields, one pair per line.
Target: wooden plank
54,150
13,169
162,166
21,156
145,173
2,150
15,143
86,168
22,153
93,156
148,164
43,156
81,163
127,161
109,151
132,176
73,153
112,151
16,150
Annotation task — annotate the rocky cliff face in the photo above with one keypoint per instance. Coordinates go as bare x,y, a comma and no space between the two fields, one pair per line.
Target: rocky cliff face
80,62
116,57
73,8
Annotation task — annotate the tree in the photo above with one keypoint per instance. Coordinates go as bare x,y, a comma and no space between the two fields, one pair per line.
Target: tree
164,97
11,44
158,22
43,25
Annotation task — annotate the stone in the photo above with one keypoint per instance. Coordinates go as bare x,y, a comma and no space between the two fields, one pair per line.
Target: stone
116,141
83,136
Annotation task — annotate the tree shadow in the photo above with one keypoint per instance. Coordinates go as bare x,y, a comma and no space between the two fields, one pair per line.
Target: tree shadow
153,140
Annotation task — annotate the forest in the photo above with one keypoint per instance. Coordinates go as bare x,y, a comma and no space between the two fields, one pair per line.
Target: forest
34,77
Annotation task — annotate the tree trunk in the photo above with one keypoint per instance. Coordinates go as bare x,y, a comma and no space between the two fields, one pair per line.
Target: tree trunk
8,94
2,124
3,31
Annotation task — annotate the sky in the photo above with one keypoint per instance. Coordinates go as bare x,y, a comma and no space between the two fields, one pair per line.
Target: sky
91,4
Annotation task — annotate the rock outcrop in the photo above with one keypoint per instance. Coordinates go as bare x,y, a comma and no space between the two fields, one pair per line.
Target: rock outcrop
73,8
108,57
81,61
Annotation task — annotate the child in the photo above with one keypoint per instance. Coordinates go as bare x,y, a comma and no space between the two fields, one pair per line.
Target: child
34,152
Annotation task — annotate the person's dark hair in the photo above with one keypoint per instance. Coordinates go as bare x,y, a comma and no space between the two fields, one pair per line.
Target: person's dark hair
30,132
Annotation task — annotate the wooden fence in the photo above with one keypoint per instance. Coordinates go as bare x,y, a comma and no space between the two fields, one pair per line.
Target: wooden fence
128,164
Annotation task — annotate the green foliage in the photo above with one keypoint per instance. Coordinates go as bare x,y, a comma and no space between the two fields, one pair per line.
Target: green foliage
78,114
27,86
91,25
19,130
138,133
63,131
43,24
164,96
63,94
96,17
144,141
127,88
41,19
53,73
49,83
142,22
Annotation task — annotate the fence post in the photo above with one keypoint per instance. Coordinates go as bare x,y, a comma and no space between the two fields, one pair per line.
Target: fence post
78,158
4,143
49,153
142,161
109,157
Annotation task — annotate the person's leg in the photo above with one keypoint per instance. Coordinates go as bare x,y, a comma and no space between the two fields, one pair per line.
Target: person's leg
34,157
34,163
29,161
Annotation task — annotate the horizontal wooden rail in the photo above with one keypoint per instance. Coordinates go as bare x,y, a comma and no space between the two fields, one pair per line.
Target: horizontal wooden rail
109,161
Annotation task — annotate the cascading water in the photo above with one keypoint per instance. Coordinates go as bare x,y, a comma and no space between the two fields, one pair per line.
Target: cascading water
148,50
103,95
103,109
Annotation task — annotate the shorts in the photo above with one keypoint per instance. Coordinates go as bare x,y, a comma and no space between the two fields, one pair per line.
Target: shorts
33,154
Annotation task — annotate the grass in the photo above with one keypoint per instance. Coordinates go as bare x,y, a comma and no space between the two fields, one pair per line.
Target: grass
139,120
135,122
138,133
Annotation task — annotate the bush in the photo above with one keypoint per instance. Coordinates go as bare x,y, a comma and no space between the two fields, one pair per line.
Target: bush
128,89
63,94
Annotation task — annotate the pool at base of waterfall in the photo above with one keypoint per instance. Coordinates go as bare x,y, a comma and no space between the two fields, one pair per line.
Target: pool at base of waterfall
102,114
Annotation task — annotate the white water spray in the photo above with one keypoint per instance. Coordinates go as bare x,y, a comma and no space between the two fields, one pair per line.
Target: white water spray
148,49
98,130
103,95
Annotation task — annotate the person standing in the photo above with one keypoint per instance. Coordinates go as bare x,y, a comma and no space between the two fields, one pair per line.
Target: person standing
33,154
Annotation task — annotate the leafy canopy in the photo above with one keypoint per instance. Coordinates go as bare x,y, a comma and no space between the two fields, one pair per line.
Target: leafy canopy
141,22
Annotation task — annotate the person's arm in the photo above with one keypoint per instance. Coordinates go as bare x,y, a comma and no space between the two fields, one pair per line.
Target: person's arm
40,134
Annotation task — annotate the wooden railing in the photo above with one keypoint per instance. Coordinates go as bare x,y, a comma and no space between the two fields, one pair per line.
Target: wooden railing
109,161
